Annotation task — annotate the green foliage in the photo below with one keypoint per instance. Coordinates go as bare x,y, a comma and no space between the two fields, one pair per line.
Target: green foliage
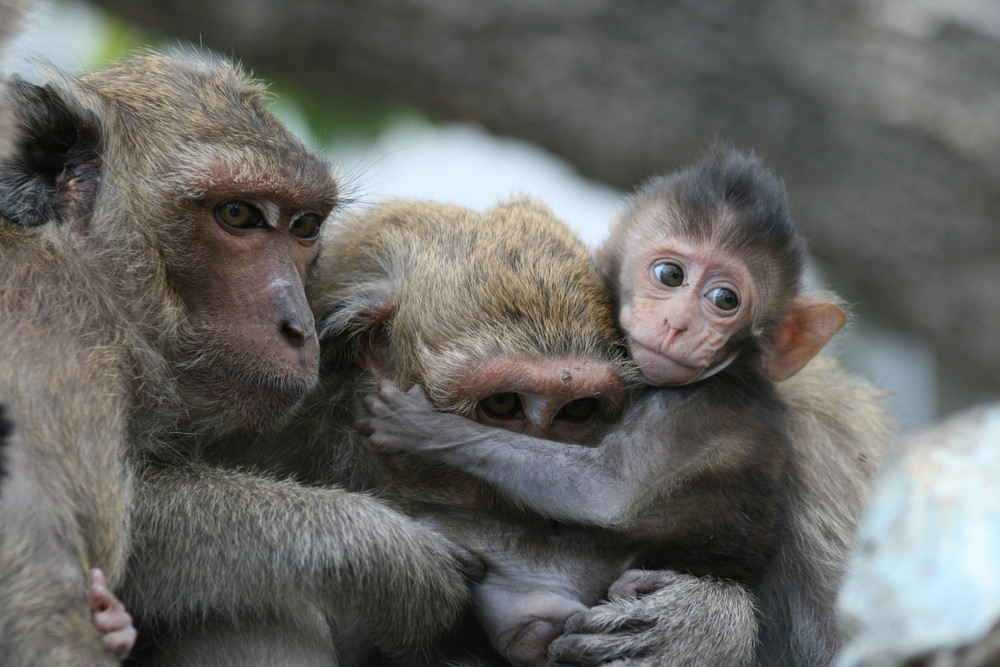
118,40
330,123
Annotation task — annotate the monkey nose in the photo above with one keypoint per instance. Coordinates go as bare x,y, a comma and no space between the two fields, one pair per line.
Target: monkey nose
295,333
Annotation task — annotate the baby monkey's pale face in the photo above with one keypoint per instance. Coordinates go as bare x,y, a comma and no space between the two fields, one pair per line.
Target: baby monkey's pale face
681,302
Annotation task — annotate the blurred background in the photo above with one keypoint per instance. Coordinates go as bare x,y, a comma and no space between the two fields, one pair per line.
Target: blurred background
882,117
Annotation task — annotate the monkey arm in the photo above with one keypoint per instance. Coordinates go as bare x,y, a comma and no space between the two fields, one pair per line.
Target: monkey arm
600,486
220,542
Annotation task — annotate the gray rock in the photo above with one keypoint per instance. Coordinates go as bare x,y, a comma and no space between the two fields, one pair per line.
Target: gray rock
924,587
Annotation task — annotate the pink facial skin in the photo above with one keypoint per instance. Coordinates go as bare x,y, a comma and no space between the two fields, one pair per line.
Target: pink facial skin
681,302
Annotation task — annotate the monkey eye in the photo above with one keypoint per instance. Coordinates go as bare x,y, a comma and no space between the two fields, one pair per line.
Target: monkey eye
723,299
579,410
669,274
239,214
305,227
501,406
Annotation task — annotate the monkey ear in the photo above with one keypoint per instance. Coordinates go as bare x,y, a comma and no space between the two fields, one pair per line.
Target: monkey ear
53,172
809,324
356,330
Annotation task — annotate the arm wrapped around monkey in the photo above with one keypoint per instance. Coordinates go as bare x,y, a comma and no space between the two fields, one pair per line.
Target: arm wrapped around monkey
709,471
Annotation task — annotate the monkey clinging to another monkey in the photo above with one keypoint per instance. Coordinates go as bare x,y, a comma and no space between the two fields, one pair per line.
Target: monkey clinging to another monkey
157,226
701,475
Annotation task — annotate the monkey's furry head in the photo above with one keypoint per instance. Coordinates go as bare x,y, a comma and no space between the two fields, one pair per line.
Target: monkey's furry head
460,286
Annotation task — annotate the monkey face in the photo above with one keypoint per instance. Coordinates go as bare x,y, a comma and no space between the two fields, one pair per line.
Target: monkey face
681,304
221,207
499,315
245,291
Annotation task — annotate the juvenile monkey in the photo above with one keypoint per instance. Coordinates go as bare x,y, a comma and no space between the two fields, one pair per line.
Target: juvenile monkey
157,225
705,269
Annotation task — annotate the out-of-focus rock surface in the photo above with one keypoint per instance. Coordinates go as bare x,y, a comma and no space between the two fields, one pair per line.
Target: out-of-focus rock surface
924,588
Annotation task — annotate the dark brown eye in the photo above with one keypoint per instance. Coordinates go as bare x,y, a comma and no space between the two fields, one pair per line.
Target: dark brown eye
669,274
305,227
239,214
579,410
501,406
723,299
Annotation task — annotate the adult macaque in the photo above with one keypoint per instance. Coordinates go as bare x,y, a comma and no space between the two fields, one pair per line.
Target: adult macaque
156,228
700,473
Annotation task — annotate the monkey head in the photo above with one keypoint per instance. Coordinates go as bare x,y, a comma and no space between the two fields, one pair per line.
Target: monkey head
705,266
500,316
201,210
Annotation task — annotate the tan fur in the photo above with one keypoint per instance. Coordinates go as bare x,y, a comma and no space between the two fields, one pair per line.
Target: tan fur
113,331
63,502
448,275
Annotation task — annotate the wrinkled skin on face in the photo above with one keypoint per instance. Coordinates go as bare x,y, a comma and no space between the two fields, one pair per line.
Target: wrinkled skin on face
681,303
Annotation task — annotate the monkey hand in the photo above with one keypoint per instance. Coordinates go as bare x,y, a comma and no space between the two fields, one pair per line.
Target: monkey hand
662,618
397,421
118,635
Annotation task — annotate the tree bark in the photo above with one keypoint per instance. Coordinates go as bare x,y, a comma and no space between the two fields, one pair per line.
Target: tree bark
881,115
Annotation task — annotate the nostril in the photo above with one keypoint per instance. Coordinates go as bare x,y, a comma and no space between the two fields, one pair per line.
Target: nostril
294,333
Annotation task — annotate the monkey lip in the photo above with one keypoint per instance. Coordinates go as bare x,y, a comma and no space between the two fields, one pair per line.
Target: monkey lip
659,369
264,387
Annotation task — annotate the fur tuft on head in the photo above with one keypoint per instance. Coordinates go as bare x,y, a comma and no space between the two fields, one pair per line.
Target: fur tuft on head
534,288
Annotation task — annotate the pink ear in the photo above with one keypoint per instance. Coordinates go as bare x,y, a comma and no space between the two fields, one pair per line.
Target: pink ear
809,324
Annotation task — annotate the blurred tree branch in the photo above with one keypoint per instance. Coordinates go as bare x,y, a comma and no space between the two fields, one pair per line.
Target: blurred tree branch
881,115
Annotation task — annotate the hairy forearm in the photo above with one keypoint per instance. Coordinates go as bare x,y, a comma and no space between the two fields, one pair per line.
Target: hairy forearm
217,541
562,481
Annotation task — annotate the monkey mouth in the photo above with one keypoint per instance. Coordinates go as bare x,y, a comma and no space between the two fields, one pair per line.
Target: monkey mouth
260,388
661,370
280,386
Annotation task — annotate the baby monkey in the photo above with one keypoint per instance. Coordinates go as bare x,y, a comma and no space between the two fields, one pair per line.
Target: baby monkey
704,268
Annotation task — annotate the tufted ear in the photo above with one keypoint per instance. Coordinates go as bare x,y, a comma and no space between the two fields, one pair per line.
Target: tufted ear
809,325
355,329
53,172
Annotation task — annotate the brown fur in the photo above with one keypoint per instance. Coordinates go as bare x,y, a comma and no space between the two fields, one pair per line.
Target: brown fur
133,326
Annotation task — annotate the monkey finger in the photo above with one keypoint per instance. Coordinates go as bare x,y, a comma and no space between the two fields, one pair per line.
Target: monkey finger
634,583
364,426
120,642
626,616
594,649
112,620
374,404
100,596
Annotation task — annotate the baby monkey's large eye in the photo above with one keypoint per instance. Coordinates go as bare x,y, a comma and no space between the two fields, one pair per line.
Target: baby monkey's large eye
723,299
239,214
669,274
501,406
